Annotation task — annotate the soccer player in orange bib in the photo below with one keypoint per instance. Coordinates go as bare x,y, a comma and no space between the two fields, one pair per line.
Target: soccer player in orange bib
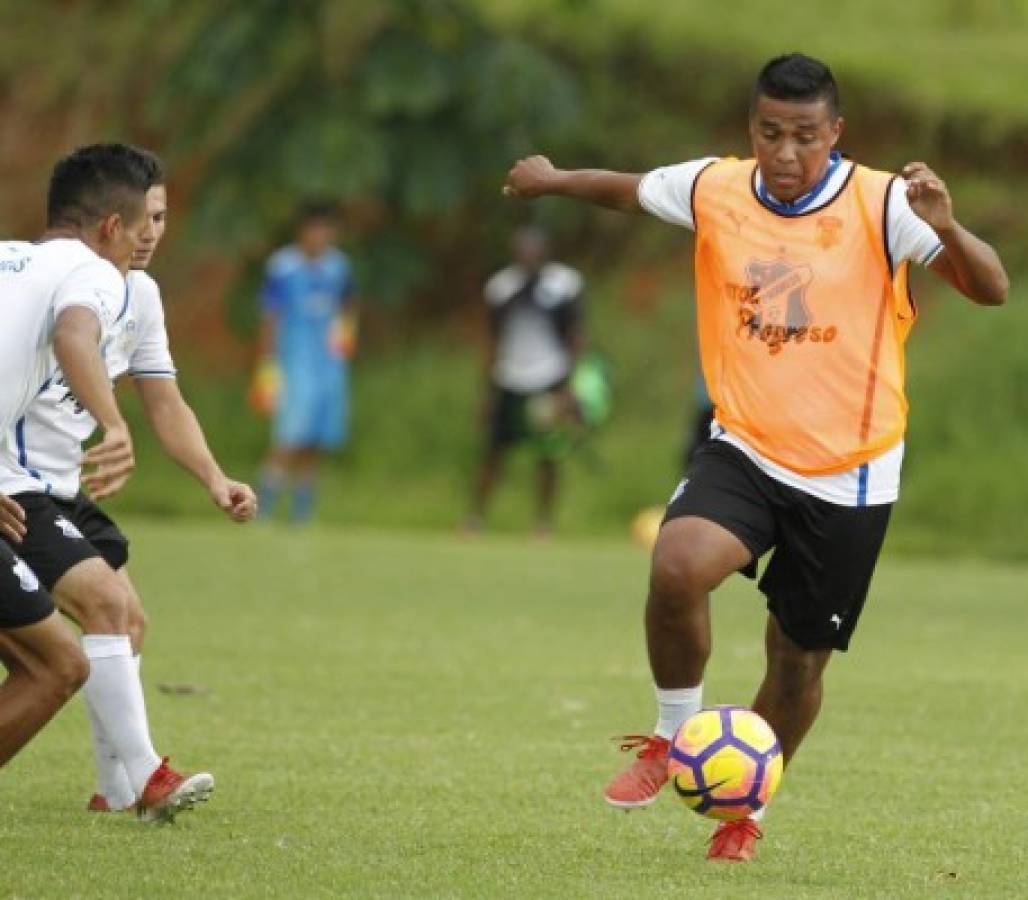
803,310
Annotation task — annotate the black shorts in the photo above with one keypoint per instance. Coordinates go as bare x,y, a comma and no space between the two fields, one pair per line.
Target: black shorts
62,533
510,423
817,579
23,600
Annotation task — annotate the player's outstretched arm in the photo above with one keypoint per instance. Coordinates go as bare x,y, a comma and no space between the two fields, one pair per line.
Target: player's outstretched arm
536,176
968,263
76,344
182,438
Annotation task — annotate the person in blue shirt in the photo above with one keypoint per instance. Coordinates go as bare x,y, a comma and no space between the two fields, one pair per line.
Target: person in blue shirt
306,342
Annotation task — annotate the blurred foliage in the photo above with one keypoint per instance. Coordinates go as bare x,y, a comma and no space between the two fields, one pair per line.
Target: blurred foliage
940,58
398,109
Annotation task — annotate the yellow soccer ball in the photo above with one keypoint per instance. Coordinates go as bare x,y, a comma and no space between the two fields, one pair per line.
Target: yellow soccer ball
646,526
725,762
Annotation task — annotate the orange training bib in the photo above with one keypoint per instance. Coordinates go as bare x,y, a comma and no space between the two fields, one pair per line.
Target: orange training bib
801,322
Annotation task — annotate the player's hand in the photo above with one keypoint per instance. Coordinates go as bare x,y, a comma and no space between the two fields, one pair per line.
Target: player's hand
12,519
113,460
928,196
531,177
236,499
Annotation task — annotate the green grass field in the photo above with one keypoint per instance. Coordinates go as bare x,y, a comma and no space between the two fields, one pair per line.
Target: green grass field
394,716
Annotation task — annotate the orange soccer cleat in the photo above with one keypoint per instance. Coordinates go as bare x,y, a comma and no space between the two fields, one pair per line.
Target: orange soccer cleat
735,841
168,792
640,783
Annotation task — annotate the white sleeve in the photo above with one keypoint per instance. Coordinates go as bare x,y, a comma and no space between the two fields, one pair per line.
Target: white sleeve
667,192
151,356
96,285
911,238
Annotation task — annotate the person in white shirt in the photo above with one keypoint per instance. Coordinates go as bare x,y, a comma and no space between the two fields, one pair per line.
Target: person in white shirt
534,341
83,185
61,303
49,440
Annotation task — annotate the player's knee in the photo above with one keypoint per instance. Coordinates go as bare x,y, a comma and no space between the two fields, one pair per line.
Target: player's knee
66,671
100,605
795,670
678,576
109,608
74,672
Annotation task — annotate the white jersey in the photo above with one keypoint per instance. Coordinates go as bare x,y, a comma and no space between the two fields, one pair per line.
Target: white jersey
530,354
48,439
37,283
667,194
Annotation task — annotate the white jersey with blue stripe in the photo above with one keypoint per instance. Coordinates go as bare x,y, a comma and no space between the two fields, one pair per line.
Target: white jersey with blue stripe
46,442
667,194
37,283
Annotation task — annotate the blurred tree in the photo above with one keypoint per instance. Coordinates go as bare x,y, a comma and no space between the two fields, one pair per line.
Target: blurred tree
403,110
400,109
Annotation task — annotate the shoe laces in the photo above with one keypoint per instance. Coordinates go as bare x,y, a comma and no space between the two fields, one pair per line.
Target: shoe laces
163,775
650,746
728,829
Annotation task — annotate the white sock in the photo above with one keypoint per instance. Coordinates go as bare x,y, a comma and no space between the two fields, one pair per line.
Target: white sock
112,780
114,694
674,707
758,816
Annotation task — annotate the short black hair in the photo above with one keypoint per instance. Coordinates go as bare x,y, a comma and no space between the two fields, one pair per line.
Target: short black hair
96,181
795,76
317,209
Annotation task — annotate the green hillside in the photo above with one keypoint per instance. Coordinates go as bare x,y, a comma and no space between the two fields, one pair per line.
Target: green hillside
943,56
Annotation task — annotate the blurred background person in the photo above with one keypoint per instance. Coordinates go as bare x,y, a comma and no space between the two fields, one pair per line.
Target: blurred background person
535,337
306,340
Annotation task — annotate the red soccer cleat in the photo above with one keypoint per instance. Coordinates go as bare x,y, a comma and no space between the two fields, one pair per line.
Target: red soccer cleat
167,793
640,783
98,803
735,841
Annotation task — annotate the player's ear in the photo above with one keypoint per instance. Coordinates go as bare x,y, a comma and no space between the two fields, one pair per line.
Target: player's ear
110,227
837,129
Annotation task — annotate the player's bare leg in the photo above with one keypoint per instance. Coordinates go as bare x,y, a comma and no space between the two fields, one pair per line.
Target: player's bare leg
789,698
692,556
45,667
91,594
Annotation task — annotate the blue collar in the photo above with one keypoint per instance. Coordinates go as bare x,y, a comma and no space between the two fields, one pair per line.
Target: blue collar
800,204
